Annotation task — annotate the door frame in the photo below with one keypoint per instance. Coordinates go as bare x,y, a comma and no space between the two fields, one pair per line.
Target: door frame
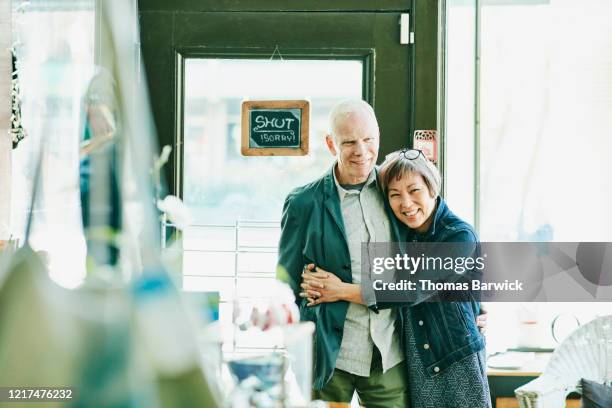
162,50
365,55
276,5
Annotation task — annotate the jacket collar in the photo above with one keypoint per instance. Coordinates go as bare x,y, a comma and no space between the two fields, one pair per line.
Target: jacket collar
332,200
329,186
329,183
372,178
332,197
440,212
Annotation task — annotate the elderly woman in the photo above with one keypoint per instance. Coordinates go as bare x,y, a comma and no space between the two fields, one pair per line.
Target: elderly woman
444,349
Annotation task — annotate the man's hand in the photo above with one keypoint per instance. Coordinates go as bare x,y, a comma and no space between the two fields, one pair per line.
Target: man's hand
320,286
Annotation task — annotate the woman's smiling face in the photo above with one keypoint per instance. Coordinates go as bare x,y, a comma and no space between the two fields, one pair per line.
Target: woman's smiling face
411,201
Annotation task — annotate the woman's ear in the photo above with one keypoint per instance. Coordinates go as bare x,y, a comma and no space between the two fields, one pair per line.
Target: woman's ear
432,194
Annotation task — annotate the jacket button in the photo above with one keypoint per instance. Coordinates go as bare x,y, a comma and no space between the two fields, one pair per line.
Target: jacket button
426,346
420,322
437,369
337,328
347,267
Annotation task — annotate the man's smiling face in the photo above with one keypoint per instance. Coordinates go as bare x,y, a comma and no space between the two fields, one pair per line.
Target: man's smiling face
355,142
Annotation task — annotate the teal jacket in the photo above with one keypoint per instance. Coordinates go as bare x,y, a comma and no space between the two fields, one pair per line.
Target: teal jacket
312,231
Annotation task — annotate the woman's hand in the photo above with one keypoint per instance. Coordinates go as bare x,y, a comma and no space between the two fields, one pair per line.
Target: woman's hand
481,320
321,286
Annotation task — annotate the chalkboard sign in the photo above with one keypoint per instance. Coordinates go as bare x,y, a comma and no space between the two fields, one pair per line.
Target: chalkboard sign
275,128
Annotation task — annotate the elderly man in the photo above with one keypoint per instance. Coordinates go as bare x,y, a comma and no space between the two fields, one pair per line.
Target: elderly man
324,223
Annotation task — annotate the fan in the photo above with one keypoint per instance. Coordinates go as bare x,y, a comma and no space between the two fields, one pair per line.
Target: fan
586,353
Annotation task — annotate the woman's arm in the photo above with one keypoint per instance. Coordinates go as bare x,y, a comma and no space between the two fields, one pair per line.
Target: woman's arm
320,286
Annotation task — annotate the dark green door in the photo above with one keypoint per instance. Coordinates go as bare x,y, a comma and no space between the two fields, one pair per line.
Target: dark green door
169,38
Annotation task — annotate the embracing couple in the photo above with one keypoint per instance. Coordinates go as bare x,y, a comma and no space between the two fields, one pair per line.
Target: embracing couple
429,354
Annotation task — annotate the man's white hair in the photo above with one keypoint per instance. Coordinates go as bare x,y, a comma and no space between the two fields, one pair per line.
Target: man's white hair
347,108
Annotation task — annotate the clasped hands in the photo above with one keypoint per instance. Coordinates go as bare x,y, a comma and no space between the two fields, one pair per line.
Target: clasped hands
320,286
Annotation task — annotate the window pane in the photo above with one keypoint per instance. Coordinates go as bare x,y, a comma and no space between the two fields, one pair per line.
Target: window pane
222,186
546,123
460,108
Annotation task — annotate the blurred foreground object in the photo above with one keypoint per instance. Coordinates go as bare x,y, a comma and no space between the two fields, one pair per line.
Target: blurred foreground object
50,336
9,245
176,211
114,347
125,342
100,170
282,377
278,309
585,354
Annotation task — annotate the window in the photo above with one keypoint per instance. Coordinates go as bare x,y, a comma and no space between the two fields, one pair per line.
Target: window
55,42
539,151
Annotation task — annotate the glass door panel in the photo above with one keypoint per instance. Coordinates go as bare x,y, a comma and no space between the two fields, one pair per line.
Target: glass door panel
222,186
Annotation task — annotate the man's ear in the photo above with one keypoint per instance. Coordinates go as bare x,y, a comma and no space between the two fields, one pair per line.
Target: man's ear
329,141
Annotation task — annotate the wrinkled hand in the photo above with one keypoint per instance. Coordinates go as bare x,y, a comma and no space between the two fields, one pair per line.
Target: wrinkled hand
481,320
320,286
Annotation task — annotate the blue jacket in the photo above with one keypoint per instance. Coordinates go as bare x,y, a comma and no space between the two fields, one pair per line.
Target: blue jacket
447,328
